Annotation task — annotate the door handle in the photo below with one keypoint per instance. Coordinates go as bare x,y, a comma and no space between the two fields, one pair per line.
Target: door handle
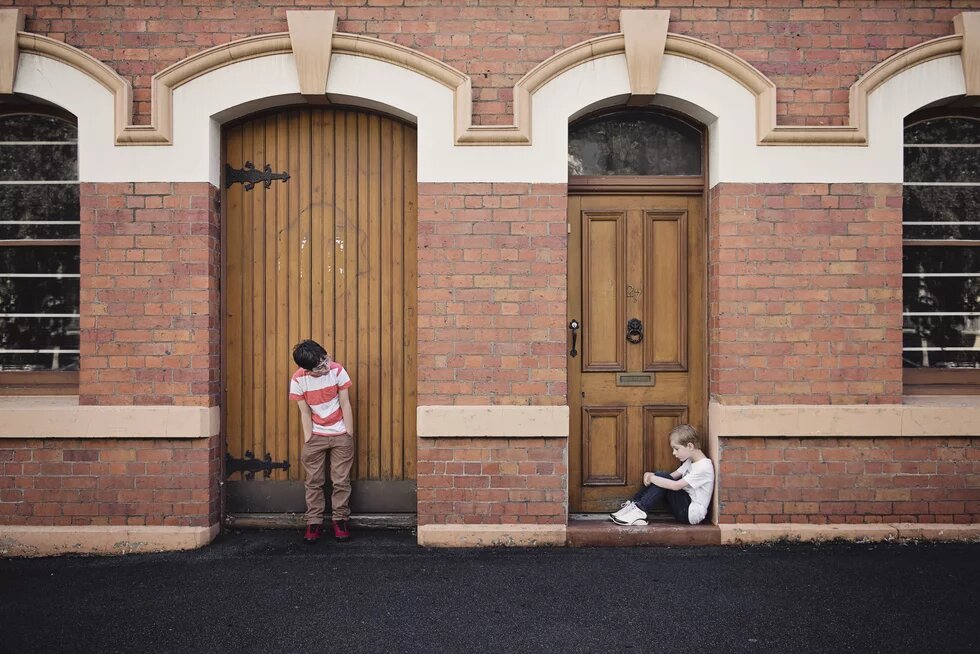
634,330
573,325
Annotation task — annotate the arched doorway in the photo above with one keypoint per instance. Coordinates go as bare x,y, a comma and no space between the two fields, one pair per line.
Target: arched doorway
319,234
637,295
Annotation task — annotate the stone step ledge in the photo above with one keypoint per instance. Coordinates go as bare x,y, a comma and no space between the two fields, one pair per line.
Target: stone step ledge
33,541
767,533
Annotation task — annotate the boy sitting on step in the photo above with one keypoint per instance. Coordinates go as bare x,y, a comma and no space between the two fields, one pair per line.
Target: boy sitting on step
687,489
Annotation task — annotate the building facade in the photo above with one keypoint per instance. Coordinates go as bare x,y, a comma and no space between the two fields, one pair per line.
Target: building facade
538,236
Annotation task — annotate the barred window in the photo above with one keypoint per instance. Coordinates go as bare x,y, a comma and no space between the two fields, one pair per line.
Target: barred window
941,251
39,252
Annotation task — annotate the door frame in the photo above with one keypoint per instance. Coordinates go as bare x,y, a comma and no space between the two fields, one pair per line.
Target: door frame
579,185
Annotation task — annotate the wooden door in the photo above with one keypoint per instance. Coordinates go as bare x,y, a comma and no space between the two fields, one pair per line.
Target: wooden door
327,254
633,257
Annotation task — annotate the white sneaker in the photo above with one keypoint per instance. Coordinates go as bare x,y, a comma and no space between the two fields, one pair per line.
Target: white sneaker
634,515
624,507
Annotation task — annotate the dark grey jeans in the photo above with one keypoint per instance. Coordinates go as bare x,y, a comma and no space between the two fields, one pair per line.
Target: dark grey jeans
678,500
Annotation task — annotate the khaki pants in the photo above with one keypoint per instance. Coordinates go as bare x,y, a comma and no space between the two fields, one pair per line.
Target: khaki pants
340,450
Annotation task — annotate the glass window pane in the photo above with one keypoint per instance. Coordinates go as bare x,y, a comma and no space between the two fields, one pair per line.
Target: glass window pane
942,165
941,342
941,294
38,162
37,295
34,288
944,204
40,259
940,259
38,362
634,143
944,130
27,203
38,344
35,127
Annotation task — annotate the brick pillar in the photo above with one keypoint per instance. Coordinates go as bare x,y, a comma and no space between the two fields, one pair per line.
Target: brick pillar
150,268
491,317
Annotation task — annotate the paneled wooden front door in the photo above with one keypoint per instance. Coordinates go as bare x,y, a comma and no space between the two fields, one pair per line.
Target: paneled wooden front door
329,254
636,287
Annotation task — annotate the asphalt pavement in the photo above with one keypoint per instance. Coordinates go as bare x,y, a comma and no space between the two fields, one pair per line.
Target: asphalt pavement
266,591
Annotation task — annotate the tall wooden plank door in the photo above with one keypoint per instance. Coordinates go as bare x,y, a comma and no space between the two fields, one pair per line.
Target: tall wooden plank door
324,250
636,287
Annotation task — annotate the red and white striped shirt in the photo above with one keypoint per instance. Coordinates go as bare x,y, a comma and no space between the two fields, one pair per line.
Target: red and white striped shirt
322,394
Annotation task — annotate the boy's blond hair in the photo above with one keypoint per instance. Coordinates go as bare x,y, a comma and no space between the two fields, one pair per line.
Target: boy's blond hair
685,435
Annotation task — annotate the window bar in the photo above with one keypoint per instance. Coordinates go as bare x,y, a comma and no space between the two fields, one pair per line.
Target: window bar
75,142
36,182
54,351
40,275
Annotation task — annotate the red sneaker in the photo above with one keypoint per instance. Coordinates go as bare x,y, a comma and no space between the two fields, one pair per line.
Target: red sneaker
313,533
341,531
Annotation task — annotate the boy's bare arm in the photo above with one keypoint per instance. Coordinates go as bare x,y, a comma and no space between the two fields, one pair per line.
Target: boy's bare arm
306,418
348,412
669,484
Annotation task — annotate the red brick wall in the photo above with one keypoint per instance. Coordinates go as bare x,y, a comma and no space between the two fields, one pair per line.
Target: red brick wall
850,480
109,482
806,293
150,267
492,481
491,294
812,49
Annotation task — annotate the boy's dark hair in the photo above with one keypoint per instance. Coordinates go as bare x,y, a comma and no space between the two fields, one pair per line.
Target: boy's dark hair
308,354
685,435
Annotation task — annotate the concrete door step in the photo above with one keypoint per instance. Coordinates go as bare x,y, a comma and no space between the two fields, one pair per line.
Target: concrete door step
296,521
597,530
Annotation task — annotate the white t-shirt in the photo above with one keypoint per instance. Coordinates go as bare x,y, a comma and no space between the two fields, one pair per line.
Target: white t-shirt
700,477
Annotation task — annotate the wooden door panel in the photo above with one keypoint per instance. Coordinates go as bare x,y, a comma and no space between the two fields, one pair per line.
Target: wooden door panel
657,423
604,433
329,255
633,256
604,266
665,302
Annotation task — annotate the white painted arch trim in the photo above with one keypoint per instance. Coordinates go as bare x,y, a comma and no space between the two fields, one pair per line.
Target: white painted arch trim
695,79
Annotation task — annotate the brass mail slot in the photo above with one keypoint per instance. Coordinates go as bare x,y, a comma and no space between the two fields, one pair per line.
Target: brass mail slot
635,379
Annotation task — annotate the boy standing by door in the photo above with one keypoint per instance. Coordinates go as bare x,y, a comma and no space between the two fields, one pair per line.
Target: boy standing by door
319,388
687,489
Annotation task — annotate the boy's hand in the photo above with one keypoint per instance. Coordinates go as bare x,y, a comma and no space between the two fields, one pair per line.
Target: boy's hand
648,478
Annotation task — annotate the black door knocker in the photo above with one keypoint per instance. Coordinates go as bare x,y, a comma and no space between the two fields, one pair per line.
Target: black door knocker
634,331
573,325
